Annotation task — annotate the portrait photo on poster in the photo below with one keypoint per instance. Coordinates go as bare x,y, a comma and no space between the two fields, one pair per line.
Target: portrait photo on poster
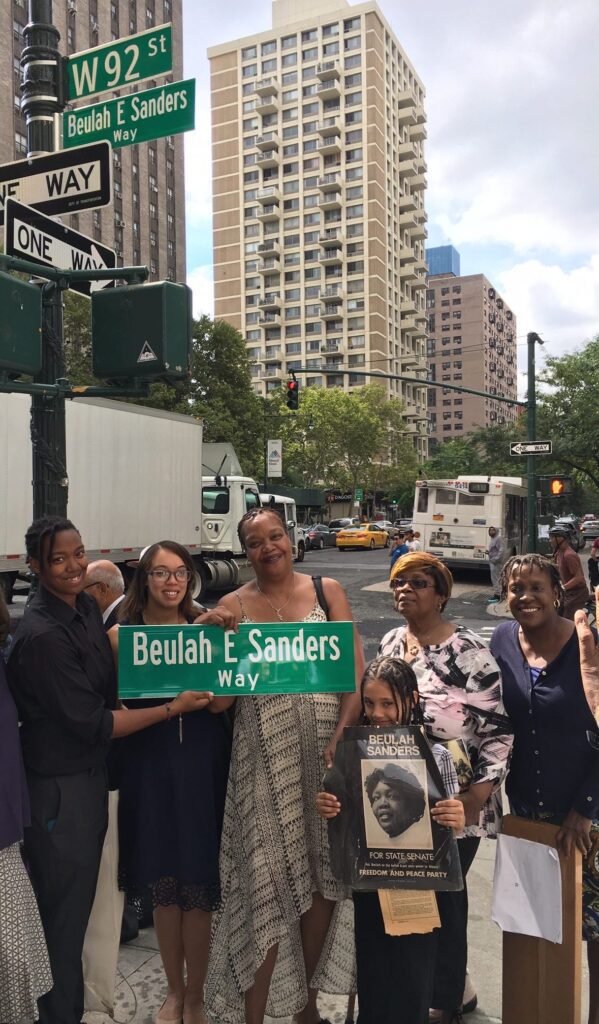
387,781
395,804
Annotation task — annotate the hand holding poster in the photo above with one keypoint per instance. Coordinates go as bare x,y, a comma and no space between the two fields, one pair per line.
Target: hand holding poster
289,657
387,781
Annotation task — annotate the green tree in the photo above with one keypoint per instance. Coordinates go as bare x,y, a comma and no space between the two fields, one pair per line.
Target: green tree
568,412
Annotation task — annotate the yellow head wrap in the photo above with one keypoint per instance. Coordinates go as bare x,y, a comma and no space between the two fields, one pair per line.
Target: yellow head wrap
415,560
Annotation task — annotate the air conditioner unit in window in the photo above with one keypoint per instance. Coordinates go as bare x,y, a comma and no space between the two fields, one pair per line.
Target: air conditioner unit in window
93,24
72,6
120,223
153,188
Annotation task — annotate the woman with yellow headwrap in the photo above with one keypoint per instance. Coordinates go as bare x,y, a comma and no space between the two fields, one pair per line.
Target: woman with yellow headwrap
460,689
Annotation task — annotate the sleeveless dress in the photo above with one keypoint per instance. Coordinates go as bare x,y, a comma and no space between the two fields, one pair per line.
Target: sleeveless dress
274,855
173,781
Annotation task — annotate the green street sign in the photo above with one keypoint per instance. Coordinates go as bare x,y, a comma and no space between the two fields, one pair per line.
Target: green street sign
359,496
121,63
140,117
262,658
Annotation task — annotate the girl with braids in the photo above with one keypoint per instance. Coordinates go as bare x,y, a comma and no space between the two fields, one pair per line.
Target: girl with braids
390,697
554,773
62,676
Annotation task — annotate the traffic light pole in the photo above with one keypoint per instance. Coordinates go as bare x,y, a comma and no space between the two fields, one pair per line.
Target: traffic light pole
41,99
531,435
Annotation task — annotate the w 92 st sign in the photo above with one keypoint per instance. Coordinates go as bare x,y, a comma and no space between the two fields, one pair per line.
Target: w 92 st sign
121,63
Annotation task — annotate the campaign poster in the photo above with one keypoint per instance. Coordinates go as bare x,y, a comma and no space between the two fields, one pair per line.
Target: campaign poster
387,782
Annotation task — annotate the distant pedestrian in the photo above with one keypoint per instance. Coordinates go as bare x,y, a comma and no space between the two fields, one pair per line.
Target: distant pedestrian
594,564
104,582
495,553
576,592
398,548
412,541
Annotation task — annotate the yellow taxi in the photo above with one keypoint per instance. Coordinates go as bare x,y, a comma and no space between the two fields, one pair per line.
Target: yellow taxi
363,535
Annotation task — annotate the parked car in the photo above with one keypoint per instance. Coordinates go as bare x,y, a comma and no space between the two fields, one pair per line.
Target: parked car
339,524
403,524
590,529
386,524
362,535
319,536
577,539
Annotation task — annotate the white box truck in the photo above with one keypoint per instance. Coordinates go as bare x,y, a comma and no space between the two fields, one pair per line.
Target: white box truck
135,477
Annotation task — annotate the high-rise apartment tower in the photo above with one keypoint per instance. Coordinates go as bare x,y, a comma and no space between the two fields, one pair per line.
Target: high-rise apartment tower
471,342
318,180
146,221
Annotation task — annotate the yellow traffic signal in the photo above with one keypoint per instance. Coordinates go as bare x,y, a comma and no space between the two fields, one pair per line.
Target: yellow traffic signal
557,487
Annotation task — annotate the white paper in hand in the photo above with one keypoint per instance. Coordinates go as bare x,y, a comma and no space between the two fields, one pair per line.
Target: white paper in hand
527,889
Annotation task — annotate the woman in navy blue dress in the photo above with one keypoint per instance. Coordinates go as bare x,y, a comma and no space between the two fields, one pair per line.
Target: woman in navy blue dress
173,780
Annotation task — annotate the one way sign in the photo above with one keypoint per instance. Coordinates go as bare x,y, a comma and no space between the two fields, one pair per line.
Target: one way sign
32,236
63,182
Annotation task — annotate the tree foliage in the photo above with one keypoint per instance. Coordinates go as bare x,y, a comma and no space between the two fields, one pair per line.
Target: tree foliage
568,411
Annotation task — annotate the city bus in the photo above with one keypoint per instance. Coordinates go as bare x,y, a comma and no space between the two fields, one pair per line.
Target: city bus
453,517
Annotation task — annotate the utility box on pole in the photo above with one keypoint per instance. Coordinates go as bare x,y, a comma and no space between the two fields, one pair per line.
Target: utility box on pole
142,331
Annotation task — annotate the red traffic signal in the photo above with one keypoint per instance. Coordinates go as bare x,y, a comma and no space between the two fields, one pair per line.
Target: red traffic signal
292,390
555,486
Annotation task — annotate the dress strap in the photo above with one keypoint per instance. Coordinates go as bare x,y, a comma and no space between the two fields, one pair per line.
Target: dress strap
320,595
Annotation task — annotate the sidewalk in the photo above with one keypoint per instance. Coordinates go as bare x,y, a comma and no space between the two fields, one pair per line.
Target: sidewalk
141,985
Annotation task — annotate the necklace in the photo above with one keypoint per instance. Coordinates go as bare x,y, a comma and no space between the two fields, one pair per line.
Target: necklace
278,610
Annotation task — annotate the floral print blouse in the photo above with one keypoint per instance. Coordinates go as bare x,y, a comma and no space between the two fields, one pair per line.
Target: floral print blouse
460,688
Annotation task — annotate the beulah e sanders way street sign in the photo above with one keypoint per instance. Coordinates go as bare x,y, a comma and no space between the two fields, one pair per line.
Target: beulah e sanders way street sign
121,63
63,182
140,117
31,235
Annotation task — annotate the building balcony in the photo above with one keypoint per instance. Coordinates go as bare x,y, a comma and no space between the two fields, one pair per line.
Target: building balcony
330,201
267,105
331,237
271,248
330,183
418,182
269,195
331,257
410,362
420,115
267,160
269,320
327,70
407,115
332,347
421,165
406,151
332,294
420,282
272,265
329,126
330,311
407,203
329,144
270,303
407,254
408,324
421,266
407,220
406,169
330,89
405,99
418,132
273,371
269,212
266,87
268,141
408,307
419,232
407,273
333,364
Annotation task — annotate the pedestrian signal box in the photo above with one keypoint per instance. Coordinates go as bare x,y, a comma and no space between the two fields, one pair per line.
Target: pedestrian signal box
555,486
143,331
292,390
20,326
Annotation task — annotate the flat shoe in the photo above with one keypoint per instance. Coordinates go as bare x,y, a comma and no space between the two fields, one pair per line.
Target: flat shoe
471,1005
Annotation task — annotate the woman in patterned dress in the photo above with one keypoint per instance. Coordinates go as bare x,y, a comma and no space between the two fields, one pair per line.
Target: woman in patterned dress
24,966
285,930
460,689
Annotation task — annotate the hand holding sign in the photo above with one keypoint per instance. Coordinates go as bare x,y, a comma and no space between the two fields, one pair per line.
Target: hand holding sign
190,700
589,657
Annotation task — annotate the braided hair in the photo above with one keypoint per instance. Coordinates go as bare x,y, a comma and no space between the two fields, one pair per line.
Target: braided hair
41,536
523,563
252,514
402,681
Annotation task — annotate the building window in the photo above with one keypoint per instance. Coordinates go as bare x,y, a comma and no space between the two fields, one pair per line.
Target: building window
249,53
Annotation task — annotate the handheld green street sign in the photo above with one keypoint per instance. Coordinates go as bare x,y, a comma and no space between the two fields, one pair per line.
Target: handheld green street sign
141,117
121,63
262,658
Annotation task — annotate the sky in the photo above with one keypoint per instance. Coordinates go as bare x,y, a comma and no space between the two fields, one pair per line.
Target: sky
512,148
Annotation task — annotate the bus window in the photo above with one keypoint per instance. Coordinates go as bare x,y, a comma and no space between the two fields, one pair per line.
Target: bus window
422,499
215,500
470,499
444,496
252,500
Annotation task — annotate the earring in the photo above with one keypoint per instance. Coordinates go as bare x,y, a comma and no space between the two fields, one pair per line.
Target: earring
556,604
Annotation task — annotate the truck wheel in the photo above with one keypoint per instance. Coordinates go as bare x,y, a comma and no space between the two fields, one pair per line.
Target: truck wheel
200,591
301,551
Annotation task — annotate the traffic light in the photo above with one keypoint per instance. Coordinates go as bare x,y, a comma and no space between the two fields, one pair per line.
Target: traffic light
20,326
555,486
292,389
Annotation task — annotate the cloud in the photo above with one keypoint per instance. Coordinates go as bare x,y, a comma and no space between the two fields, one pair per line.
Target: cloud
200,281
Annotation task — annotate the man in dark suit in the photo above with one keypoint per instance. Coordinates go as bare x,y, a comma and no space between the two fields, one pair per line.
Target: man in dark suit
104,582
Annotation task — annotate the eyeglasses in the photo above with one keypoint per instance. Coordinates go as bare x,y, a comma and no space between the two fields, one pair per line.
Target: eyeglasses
88,586
162,575
417,584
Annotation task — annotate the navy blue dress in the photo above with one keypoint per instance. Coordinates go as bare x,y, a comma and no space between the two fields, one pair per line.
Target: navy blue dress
173,781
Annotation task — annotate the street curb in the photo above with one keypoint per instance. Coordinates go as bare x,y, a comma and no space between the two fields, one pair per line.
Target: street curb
499,610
